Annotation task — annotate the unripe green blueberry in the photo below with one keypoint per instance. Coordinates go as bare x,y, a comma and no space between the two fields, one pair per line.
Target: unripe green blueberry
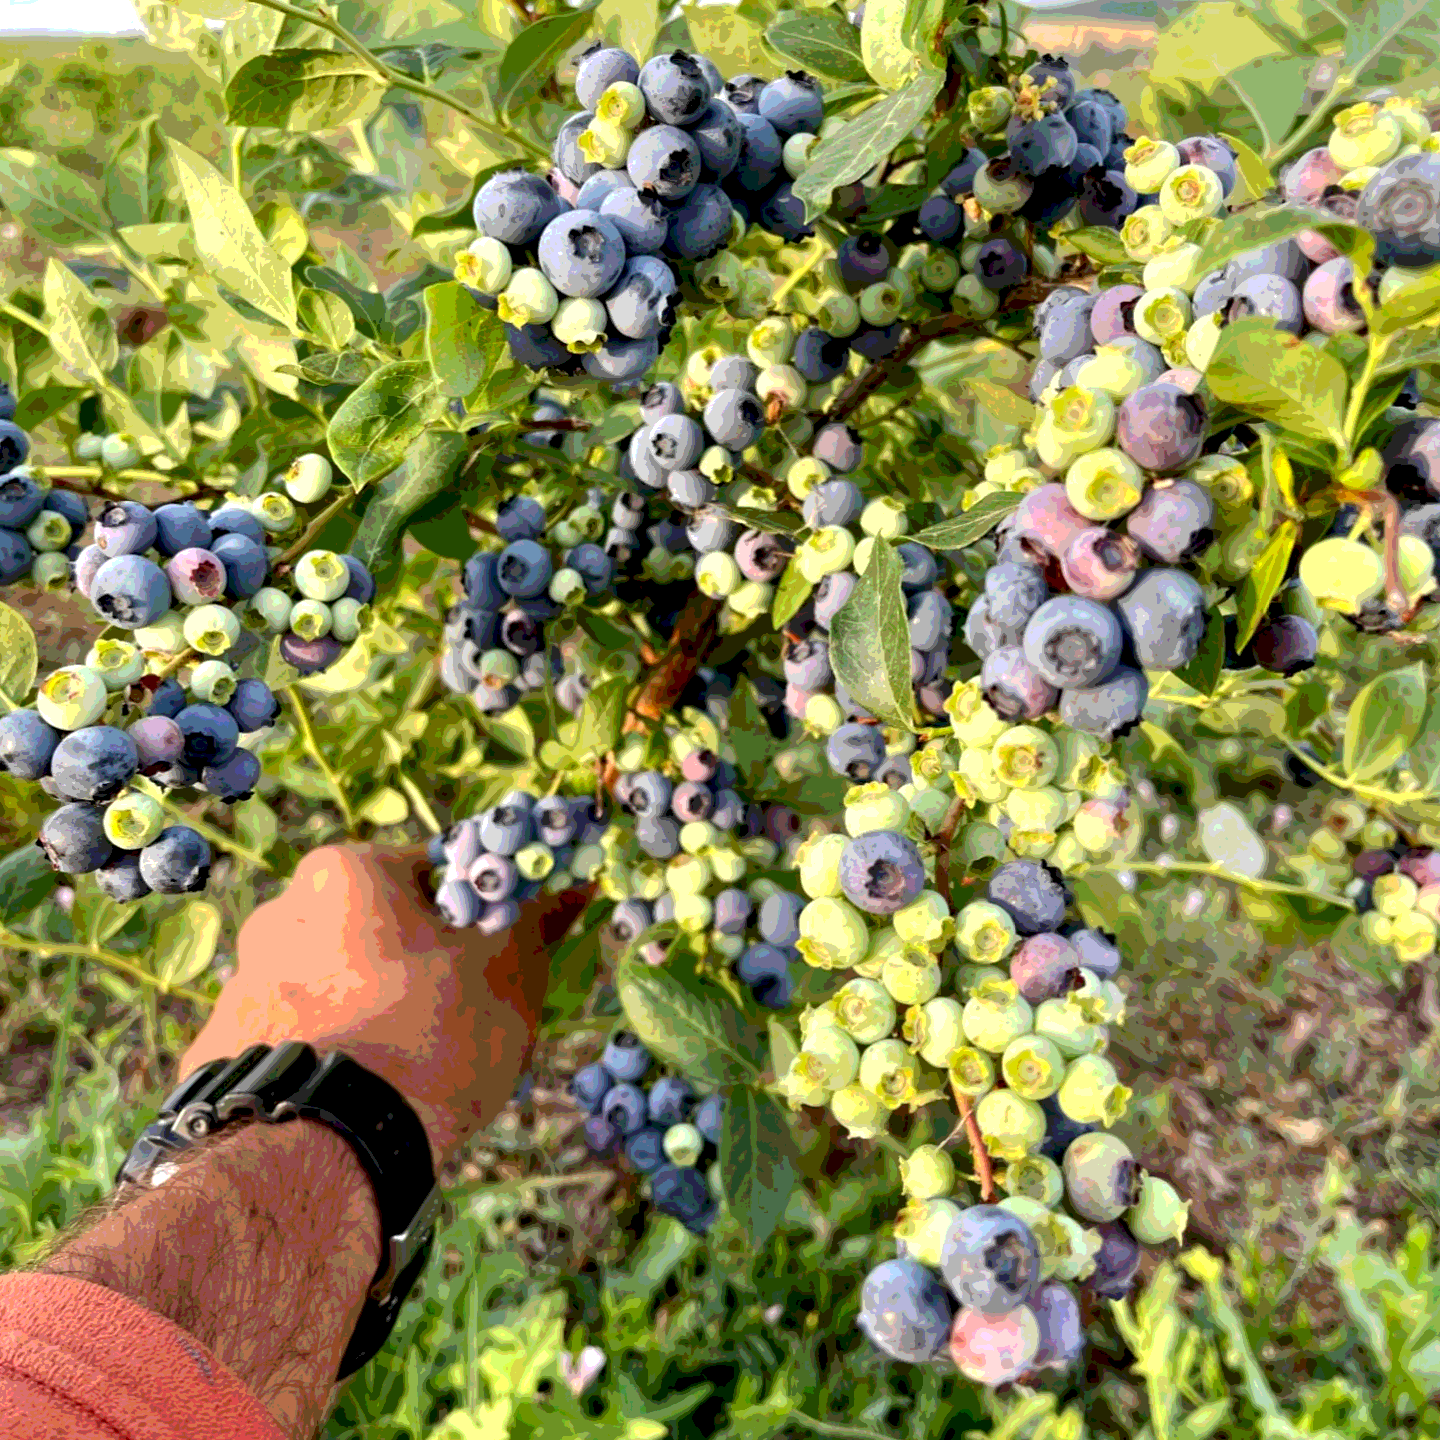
837,313
567,587
565,534
311,619
579,325
117,662
864,1010
884,943
687,874
87,447
529,299
1036,1178
694,913
864,549
972,718
771,342
995,1014
683,1144
1160,1214
1192,192
1145,232
1115,370
321,575
211,629
925,922
796,153
484,265
973,301
119,451
71,697
833,934
165,637
604,144
891,1073
1201,340
50,571
727,865
818,860
912,977
622,104
923,1225
881,303
269,609
935,1030
1104,484
1160,315
349,618
1365,135
48,531
1413,935
989,108
823,715
885,519
1394,894
927,1173
1073,1027
498,668
1035,812
534,861
1082,419
721,277
929,806
133,820
828,550
1032,1066
751,599
1148,163
1102,1179
984,933
1416,563
732,947
832,1056
874,806
1176,265
1025,757
1091,1091
940,272
1342,574
972,1071
860,1111
212,682
1010,1125
308,477
274,511
785,384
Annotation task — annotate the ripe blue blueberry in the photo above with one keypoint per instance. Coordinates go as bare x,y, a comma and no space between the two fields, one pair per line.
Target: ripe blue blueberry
621,359
1163,613
176,862
94,764
709,1117
600,185
645,299
1268,297
793,104
940,220
536,347
1110,709
624,1107
582,253
1014,592
675,88
626,1058
515,206
645,1149
1000,263
1014,688
881,872
124,527
839,447
931,621
734,418
601,1137
589,1087
831,593
782,213
494,877
497,919
1172,522
717,134
1116,1262
521,517
1072,642
856,752
1032,893
732,911
875,342
742,94
73,839
990,1260
1041,144
525,569
664,160
119,877
506,828
233,779
819,357
904,1311
14,445
711,529
16,557
211,735
648,793
641,218
833,502
231,520
246,564
779,920
1092,122
629,920
181,526
766,969
27,744
700,224
130,591
21,500
807,665
689,489
669,1101
658,836
1097,952
601,68
676,442
1398,207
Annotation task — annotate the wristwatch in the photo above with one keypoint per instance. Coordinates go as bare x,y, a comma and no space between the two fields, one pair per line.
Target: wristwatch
289,1081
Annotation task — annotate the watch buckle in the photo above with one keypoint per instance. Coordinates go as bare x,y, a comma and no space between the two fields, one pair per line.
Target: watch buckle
401,1249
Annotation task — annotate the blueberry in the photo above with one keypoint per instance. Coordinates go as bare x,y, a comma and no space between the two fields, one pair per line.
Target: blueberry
1329,298
1398,207
1060,1130
675,88
123,527
231,520
94,764
669,1101
582,253
1014,592
856,752
27,744
181,526
130,591
506,828
525,569
624,1107
629,920
1052,77
782,213
1038,145
621,359
779,920
1092,122
793,104
658,836
601,1137
7,402
940,220
881,872
599,70
14,445
763,965
1172,522
1072,642
831,593
1032,893
211,735
16,557
839,447
536,347
1116,1262
732,911
734,419
659,400
1013,687
717,134
833,502
1065,334
515,206
494,877
1286,644
742,94
119,877
73,839
1269,297
589,1087
601,184
762,556
233,779
712,530
960,180
593,565
641,218
246,564
692,801
700,224
931,621
196,577
167,699
497,919
645,1149
1044,967
521,517
675,442
1099,564
664,160
1163,613
1105,198
876,342
1113,313
626,1058
709,1117
819,357
1110,709
895,771
1097,952
990,1260
680,1192
807,665
863,260
904,1311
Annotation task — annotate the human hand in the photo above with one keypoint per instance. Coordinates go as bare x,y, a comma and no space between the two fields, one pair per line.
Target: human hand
352,957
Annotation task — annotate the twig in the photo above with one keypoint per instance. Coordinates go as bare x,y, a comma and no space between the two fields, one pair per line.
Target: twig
1385,502
984,1171
944,837
295,551
691,641
1217,872
16,941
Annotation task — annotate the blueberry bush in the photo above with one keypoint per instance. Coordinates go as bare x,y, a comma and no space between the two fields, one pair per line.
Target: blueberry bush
942,546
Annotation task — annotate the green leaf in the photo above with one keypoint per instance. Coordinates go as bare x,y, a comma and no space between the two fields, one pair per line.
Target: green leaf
19,657
303,90
1208,664
1272,89
757,1161
136,177
971,525
464,343
1279,378
377,424
185,943
1003,403
431,468
531,57
696,1030
326,316
1305,703
602,717
1099,242
1416,302
890,62
1256,181
870,641
790,594
1385,28
1263,582
630,24
1384,718
772,522
823,42
858,145
342,368
26,879
366,306
1252,229
55,203
81,333
460,215
229,241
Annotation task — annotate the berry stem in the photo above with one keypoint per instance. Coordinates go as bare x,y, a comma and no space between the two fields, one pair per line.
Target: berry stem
944,838
984,1171
295,551
1218,872
1384,501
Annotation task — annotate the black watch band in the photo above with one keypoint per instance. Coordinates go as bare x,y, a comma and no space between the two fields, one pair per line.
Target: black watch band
290,1081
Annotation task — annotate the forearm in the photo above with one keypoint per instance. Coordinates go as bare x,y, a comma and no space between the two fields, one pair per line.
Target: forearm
261,1245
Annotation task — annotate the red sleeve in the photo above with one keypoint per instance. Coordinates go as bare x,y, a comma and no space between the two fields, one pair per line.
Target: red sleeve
79,1362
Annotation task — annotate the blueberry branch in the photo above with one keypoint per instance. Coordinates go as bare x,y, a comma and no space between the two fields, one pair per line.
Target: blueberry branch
1384,501
12,940
984,1171
295,551
1218,872
693,638
312,748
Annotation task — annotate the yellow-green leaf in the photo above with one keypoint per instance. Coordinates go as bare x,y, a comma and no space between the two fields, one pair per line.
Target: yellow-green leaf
19,658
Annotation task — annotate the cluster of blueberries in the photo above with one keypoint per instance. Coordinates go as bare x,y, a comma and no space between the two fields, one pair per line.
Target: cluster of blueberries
1398,892
701,838
490,863
664,1129
661,167
38,528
